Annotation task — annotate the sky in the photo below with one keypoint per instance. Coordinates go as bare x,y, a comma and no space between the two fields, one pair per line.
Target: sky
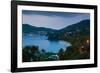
54,20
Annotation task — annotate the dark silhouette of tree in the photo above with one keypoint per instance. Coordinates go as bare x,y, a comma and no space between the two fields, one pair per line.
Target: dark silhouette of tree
26,55
30,53
61,54
43,51
68,52
34,49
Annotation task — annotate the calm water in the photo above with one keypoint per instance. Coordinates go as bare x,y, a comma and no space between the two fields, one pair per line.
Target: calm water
43,43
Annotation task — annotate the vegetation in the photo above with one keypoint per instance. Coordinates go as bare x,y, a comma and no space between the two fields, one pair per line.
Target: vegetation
32,53
79,37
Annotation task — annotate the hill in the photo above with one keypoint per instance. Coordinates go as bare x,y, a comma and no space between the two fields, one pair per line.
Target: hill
26,28
78,26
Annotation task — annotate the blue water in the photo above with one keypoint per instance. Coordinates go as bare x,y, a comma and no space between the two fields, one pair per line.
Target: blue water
43,43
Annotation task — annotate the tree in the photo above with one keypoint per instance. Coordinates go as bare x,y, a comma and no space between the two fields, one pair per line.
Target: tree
29,53
26,55
43,51
68,52
61,54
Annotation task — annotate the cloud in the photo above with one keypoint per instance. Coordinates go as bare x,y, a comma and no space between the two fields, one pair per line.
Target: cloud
49,21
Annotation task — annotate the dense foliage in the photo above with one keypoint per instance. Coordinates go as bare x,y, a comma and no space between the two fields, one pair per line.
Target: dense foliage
77,34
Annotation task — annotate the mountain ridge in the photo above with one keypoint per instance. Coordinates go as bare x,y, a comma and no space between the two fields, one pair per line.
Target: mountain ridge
26,28
75,26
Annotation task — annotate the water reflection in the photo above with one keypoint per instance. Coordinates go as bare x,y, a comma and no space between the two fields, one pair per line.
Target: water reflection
43,43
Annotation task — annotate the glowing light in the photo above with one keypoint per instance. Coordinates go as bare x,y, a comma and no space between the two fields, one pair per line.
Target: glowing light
82,46
87,41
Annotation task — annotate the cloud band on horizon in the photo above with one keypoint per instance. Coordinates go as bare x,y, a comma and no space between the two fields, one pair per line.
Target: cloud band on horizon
54,20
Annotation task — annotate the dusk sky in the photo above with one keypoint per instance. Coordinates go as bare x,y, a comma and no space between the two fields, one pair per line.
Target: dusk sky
54,20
